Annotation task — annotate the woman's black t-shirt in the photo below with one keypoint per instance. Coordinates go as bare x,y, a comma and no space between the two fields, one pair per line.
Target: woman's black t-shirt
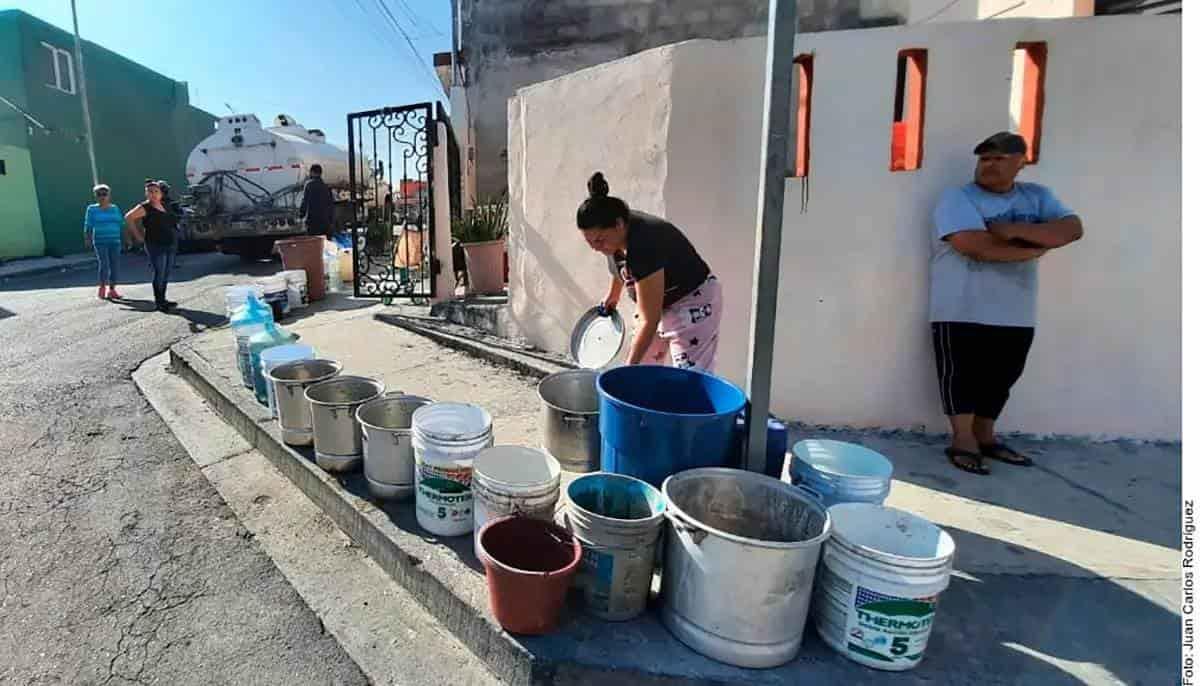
654,244
159,225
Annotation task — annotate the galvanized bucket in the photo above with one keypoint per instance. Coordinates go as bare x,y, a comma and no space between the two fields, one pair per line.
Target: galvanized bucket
289,381
387,444
337,439
731,529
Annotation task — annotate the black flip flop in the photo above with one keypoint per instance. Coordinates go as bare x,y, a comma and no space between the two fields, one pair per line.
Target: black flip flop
999,451
974,465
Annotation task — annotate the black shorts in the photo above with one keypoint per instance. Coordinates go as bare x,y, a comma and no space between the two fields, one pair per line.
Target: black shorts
978,364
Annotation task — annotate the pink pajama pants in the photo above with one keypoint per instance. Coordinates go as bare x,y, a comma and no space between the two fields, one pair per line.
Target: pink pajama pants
690,330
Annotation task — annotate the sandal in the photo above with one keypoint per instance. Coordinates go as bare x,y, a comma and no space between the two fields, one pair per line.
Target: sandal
972,463
999,451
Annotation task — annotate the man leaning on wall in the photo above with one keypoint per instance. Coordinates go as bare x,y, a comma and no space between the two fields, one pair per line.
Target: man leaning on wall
988,236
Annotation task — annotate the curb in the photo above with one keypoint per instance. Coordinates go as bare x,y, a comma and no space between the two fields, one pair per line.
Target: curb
362,521
89,263
531,365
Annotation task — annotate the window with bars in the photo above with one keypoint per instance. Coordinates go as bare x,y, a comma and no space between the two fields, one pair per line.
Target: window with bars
61,71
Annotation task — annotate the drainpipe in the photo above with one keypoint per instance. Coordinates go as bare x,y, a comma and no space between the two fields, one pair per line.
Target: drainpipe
781,37
87,112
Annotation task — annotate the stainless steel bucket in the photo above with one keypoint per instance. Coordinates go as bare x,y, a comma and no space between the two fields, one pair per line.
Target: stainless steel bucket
387,444
289,381
571,419
732,529
337,439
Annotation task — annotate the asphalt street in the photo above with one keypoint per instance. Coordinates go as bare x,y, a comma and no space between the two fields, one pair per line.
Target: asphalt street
119,562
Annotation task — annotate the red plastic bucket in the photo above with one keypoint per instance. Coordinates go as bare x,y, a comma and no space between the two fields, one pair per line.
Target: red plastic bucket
529,565
305,252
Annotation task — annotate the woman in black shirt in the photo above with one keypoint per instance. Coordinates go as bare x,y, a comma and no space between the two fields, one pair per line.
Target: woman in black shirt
157,231
678,297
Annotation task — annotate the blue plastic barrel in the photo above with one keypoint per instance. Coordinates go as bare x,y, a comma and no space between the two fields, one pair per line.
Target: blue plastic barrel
777,445
656,421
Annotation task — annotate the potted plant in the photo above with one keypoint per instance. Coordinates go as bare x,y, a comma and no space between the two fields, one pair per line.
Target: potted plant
482,232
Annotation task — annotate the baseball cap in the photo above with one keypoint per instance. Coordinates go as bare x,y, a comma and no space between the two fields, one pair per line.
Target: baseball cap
1003,143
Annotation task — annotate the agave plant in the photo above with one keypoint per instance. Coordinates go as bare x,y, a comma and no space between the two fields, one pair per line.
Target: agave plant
487,221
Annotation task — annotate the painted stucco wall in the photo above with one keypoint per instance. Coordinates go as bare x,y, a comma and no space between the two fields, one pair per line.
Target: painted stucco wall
20,221
852,345
509,44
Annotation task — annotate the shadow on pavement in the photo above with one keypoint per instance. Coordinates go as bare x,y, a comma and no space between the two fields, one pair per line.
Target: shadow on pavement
1016,626
1123,488
135,268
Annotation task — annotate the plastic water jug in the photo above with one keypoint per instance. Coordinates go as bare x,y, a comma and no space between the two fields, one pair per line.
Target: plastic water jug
270,336
248,320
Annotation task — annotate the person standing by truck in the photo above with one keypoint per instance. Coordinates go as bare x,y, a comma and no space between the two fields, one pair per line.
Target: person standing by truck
317,205
157,231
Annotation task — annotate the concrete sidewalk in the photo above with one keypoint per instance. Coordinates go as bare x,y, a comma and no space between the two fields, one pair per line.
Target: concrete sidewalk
1065,573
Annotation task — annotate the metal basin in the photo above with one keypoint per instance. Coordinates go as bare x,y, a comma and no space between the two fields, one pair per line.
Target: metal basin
337,439
571,419
732,529
387,444
289,381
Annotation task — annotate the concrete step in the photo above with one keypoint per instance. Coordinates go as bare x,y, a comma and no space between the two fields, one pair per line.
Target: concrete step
390,635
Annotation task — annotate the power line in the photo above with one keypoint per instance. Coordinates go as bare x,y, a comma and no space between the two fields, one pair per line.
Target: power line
407,39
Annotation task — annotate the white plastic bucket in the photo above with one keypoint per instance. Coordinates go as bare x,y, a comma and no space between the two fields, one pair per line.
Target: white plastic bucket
618,521
236,296
510,480
446,439
297,284
275,294
881,572
273,357
841,472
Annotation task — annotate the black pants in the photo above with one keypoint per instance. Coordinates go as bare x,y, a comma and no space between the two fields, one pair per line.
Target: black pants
978,364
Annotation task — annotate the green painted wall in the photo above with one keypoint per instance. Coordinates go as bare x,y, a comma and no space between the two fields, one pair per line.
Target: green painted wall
20,220
143,123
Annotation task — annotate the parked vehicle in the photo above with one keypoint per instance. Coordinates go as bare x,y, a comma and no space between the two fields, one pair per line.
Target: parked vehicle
246,182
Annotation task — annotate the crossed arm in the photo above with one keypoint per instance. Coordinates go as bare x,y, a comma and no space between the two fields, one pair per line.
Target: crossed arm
1002,242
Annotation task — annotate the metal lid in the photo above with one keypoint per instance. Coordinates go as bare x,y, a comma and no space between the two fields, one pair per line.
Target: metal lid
597,339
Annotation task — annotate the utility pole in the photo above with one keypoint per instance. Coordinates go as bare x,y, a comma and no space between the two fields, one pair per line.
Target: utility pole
83,94
781,39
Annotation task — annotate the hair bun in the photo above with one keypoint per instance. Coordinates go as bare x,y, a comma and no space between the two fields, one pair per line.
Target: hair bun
597,186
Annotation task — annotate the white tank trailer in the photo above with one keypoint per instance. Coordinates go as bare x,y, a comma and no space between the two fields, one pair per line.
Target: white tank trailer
246,181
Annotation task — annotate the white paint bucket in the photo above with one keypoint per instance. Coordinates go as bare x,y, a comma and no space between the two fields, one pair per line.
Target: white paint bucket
881,572
618,521
446,439
509,480
297,282
275,295
841,472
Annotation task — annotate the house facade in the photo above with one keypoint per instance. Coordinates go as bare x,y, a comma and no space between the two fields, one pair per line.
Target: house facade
502,46
45,176
677,130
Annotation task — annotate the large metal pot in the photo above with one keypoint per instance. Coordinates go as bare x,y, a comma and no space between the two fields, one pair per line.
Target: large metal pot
337,439
571,419
387,444
289,381
730,529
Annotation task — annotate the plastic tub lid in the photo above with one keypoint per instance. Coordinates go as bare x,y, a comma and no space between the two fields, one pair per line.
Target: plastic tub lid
597,338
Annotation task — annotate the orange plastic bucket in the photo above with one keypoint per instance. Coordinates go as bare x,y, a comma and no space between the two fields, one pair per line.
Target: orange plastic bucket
529,565
305,252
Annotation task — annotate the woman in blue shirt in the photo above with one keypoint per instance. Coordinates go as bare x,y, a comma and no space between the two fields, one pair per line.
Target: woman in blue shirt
103,226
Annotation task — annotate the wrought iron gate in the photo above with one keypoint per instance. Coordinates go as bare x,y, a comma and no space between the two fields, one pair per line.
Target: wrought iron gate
391,179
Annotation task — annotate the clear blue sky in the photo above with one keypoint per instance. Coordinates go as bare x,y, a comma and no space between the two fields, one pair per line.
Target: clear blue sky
313,59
